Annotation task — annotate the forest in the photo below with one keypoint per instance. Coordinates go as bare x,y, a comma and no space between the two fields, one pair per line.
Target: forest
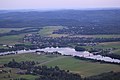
87,21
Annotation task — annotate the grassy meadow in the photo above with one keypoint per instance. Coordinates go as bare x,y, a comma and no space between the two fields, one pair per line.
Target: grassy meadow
98,36
6,30
85,68
11,39
48,30
15,39
4,76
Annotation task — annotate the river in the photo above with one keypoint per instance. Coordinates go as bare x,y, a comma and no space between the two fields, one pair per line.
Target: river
70,51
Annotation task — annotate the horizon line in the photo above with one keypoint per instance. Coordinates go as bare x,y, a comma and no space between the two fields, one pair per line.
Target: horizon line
65,9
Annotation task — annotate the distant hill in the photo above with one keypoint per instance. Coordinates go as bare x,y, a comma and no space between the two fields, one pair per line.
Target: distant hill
90,18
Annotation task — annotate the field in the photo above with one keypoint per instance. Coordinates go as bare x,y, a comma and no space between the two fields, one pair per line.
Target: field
110,45
15,39
85,68
105,45
12,39
3,47
25,57
5,30
117,52
98,36
4,76
48,30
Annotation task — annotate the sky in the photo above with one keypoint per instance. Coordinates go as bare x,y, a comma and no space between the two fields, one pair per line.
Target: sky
58,4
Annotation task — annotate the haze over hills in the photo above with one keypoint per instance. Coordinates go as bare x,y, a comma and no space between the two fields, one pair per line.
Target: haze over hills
60,17
108,19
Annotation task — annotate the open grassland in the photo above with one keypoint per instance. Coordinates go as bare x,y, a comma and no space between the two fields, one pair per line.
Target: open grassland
86,36
24,57
13,75
104,45
85,68
12,39
117,52
1,47
107,36
48,30
110,45
15,39
6,30
27,57
58,35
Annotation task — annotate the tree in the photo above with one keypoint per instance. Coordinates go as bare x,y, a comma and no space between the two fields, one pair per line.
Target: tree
78,48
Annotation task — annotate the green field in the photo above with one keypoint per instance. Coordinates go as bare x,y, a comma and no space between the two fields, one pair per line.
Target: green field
4,76
48,30
5,30
107,36
15,39
85,68
117,52
1,47
25,57
109,45
11,40
97,36
104,45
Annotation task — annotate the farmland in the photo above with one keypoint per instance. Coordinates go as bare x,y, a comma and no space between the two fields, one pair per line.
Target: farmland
95,31
48,30
5,30
11,39
16,39
85,68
